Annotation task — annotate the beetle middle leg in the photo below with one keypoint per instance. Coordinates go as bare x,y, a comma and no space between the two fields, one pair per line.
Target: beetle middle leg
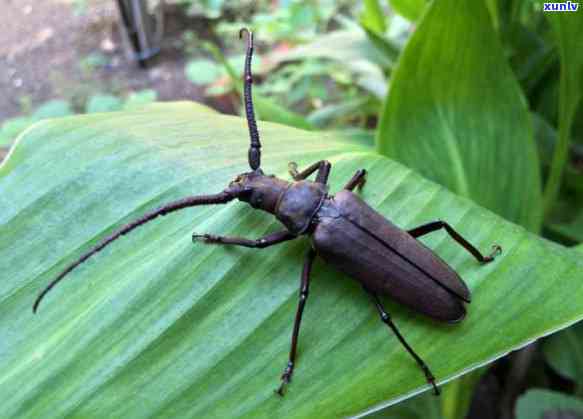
438,225
386,318
323,167
260,243
304,289
358,180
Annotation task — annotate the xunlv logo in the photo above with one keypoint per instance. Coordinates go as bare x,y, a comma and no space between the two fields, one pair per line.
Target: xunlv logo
561,7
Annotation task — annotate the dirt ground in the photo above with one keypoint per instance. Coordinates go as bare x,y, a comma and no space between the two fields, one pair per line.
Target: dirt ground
48,50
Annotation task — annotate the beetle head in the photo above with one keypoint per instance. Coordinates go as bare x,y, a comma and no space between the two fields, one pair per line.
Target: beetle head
259,190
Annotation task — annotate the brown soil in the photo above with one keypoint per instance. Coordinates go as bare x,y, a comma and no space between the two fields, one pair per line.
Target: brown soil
44,50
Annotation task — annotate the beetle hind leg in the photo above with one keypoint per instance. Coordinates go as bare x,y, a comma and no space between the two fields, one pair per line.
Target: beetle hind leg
358,180
438,225
386,318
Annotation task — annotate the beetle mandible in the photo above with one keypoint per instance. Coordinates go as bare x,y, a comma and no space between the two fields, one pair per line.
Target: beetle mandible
345,231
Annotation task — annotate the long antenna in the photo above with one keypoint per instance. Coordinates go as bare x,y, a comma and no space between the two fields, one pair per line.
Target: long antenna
191,201
255,148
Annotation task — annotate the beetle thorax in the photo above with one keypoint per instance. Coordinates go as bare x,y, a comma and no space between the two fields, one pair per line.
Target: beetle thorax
299,204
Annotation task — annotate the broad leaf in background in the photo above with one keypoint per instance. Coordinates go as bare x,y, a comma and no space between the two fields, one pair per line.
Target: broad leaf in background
410,9
156,326
388,48
529,52
545,404
456,114
568,29
373,17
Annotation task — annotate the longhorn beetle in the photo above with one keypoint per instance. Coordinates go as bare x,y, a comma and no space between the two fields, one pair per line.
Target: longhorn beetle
345,232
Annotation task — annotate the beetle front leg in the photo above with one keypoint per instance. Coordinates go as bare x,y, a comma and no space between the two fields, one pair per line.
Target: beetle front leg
437,225
323,167
304,289
262,242
386,318
358,180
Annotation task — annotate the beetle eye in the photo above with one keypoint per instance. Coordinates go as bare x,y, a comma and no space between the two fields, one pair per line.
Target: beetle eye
255,199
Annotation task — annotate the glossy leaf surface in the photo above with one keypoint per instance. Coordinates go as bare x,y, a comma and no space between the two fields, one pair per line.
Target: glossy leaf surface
156,326
456,114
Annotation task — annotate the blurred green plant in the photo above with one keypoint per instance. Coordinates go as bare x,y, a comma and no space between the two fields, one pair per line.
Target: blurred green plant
544,404
318,87
80,7
92,62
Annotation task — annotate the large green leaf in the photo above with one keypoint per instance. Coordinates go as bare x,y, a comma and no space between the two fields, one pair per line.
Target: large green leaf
455,113
155,326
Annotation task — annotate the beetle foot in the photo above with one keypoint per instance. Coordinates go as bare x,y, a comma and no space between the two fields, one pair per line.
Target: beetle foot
205,238
496,250
431,380
362,180
281,390
285,379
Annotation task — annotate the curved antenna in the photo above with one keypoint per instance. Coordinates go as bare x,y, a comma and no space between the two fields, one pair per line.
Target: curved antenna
191,201
255,148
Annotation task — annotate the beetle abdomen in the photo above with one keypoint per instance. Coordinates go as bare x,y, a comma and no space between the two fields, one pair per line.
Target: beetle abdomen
387,260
